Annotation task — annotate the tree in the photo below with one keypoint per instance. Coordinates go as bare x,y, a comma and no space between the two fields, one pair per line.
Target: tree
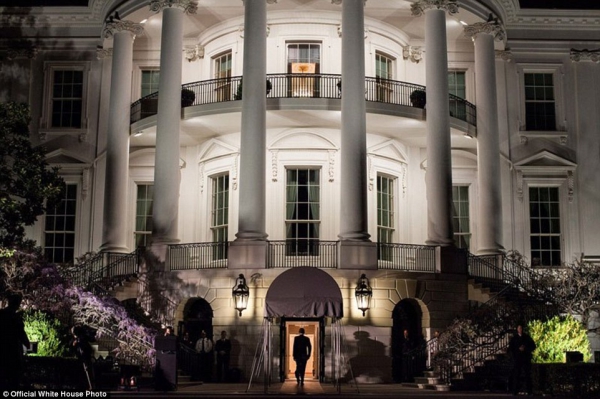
27,184
556,336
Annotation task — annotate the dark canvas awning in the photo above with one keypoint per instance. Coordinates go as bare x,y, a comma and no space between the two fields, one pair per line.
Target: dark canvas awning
304,292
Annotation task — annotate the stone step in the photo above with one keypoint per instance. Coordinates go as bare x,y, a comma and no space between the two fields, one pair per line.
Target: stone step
430,387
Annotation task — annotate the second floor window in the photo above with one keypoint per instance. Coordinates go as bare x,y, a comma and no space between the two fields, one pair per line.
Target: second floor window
385,215
219,224
303,211
303,58
143,215
383,66
67,99
222,70
457,87
540,105
460,216
544,226
59,228
150,81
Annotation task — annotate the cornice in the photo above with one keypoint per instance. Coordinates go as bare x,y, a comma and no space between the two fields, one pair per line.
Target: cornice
188,6
417,9
493,28
113,27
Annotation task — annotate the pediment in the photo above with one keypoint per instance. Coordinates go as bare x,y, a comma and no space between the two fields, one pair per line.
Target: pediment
62,156
545,160
68,150
215,149
389,149
302,140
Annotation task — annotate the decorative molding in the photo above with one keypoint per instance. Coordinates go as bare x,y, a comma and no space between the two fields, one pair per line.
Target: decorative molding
417,9
339,31
201,178
113,27
82,137
520,185
241,30
339,2
504,55
404,171
585,55
274,168
188,6
234,172
193,53
102,53
492,27
85,183
21,49
570,183
331,162
412,53
370,172
559,136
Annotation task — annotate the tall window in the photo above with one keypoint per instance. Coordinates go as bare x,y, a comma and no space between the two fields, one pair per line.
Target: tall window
59,228
67,98
304,58
457,87
220,215
383,72
150,81
143,215
303,211
385,215
544,225
222,68
540,107
460,216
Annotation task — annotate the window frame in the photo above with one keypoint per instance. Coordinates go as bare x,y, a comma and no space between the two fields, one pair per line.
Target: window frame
470,217
142,70
76,230
135,230
46,128
318,222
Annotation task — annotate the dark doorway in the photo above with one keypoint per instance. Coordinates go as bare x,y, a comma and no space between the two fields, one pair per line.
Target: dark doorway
197,316
407,315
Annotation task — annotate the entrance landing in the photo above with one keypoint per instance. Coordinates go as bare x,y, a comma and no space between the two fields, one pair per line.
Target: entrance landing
310,387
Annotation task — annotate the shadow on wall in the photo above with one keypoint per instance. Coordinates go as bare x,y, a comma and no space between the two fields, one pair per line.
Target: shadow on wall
370,365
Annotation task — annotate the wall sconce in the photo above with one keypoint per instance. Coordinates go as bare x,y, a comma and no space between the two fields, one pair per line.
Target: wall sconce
240,293
363,294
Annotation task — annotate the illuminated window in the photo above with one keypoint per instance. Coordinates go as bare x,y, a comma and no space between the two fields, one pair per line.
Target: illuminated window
457,87
544,226
59,228
302,211
220,214
383,73
385,215
222,69
150,81
143,215
303,58
460,216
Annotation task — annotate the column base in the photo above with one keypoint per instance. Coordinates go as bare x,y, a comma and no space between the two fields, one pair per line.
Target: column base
490,251
358,255
114,248
247,254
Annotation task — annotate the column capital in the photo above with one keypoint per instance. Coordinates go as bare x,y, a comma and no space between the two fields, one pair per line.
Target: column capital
419,8
268,2
493,28
102,53
21,49
116,26
504,55
338,2
413,53
585,55
188,6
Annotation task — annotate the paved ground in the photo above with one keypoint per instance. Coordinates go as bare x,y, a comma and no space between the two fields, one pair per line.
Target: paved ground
312,389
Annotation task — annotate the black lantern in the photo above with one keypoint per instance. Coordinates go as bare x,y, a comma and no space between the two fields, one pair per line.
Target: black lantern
240,293
363,294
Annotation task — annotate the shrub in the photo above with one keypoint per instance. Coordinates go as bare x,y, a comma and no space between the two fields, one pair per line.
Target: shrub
48,332
556,336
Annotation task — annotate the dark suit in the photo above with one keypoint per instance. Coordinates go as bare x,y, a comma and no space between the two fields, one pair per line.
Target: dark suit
521,348
302,349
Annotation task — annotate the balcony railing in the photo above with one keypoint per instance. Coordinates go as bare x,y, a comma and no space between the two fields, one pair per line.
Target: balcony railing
289,85
295,253
202,255
406,257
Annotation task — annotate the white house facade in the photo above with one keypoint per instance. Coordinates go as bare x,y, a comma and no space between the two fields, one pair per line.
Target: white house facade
409,142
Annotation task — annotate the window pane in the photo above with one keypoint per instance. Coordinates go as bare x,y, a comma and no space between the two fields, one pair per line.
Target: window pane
59,227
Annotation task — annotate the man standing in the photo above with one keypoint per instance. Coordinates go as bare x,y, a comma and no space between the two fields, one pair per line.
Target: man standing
302,351
223,349
521,347
12,341
204,347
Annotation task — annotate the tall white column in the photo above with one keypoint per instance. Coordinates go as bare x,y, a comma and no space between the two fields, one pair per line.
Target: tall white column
438,178
353,202
166,170
114,229
249,250
252,182
489,216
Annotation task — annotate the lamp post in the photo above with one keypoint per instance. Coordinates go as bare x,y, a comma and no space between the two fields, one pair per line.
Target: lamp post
240,293
363,294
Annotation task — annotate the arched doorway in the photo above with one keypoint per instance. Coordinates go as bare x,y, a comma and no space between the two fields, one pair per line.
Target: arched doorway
303,297
407,315
197,316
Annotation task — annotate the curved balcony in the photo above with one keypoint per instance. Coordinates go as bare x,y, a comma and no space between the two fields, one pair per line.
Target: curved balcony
288,85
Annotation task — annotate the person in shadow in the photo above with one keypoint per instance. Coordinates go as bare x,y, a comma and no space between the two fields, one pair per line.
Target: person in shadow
223,349
301,354
408,345
204,347
521,347
13,339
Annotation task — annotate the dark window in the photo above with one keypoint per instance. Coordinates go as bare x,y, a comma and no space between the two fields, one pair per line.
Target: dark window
544,226
67,99
59,228
540,106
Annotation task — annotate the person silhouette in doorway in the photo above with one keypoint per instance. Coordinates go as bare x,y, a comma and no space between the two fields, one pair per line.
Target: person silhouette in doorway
302,350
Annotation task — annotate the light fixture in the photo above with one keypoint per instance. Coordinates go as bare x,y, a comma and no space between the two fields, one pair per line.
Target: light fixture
240,293
363,294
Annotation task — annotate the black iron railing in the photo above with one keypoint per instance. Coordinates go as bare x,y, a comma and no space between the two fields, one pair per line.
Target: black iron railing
289,85
406,257
295,253
202,255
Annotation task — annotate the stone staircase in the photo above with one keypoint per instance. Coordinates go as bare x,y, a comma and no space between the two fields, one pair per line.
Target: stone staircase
430,381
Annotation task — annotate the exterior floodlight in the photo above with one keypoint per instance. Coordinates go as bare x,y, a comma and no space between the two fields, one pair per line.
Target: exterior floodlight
363,294
240,293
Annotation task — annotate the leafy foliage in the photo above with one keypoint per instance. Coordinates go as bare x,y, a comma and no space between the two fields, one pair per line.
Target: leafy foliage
48,332
27,184
556,336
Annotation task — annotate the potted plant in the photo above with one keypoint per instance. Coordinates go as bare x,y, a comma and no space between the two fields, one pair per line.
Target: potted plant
187,97
238,93
418,98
